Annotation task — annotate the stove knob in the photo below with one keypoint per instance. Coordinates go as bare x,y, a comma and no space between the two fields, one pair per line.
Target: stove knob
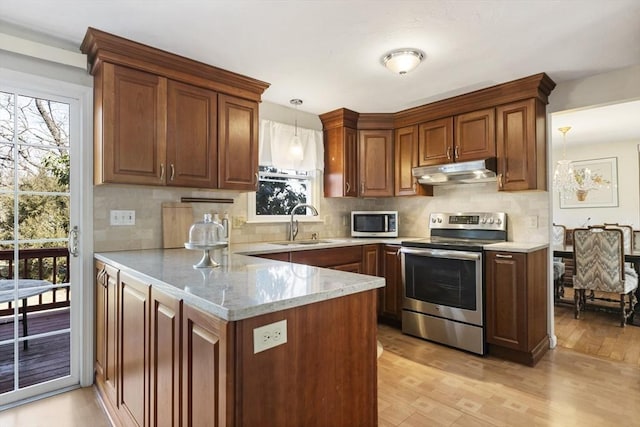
439,220
433,220
484,220
498,221
490,220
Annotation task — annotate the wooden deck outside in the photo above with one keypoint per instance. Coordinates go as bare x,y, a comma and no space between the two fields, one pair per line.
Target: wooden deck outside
45,359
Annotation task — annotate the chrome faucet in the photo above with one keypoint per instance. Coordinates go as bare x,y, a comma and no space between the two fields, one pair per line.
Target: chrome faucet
293,226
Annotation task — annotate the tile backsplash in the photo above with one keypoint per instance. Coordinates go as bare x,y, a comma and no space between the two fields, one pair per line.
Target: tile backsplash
334,213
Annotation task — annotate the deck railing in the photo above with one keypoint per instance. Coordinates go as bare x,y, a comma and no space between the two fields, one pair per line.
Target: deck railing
50,264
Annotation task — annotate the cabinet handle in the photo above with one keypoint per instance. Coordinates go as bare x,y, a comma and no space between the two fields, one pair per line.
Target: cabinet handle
257,180
102,277
398,254
362,187
414,186
348,187
456,152
161,171
504,256
449,153
500,181
173,172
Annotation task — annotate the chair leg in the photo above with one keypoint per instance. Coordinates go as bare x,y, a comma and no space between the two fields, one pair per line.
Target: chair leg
623,312
578,295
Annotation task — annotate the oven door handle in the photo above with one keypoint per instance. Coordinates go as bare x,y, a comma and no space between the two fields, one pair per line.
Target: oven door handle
440,253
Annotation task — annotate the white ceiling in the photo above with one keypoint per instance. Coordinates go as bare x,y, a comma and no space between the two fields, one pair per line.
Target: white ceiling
328,53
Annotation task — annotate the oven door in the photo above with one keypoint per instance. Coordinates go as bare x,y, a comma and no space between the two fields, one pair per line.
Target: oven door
443,283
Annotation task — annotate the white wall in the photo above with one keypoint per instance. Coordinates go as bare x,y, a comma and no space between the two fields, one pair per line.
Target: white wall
628,209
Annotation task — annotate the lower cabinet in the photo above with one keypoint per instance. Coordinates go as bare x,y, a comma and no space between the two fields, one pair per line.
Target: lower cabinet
347,258
516,305
390,297
106,331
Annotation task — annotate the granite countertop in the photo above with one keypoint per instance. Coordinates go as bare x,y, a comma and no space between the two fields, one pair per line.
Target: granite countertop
337,242
243,286
525,247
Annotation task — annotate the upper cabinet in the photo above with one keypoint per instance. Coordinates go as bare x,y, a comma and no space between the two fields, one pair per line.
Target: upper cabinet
406,158
469,136
474,135
521,145
162,119
340,153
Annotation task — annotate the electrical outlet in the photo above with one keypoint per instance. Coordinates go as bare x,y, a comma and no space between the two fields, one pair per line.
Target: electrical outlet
269,336
238,221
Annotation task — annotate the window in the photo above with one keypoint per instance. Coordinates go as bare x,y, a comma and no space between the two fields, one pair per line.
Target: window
279,190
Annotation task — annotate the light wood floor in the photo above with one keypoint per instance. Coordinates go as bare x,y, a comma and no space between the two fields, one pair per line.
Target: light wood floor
426,384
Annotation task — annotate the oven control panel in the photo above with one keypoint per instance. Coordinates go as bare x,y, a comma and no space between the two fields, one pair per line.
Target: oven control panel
469,220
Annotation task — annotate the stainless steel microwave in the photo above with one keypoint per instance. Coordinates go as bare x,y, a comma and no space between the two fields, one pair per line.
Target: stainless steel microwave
374,223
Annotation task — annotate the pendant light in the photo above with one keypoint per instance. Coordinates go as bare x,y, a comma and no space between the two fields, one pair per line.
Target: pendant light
296,149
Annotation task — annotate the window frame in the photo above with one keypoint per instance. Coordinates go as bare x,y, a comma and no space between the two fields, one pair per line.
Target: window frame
315,182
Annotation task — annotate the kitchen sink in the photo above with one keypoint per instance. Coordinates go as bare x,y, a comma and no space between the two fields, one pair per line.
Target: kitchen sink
301,242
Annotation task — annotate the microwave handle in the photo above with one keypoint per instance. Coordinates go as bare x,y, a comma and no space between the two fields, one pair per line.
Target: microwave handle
440,253
386,223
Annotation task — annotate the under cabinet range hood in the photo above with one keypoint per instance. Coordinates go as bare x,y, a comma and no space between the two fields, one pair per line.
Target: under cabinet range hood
457,173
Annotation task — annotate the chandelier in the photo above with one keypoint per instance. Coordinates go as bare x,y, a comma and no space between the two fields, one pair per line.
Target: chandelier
570,182
564,180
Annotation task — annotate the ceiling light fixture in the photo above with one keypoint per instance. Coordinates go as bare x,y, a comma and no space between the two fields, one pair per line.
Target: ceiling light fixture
402,61
563,177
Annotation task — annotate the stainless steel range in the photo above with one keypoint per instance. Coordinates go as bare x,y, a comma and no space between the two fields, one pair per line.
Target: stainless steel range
443,278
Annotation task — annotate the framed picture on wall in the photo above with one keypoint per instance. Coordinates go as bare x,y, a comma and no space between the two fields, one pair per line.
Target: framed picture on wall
597,182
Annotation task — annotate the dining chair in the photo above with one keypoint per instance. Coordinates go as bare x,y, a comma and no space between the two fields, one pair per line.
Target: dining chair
599,266
627,233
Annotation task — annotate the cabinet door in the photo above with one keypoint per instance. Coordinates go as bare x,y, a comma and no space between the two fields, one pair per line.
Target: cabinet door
237,143
435,142
134,350
166,325
192,139
406,158
520,146
475,136
133,126
370,257
506,299
340,162
391,301
106,316
207,367
376,160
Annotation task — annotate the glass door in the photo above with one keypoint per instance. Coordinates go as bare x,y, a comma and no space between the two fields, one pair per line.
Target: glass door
36,339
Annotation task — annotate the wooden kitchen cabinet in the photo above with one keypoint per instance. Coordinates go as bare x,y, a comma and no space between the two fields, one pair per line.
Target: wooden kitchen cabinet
390,297
474,135
521,145
277,256
435,142
238,143
375,155
516,305
207,369
130,126
165,344
405,159
347,258
464,137
192,140
106,331
162,119
133,402
371,260
340,153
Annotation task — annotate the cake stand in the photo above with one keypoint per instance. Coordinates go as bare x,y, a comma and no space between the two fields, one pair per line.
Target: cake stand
206,261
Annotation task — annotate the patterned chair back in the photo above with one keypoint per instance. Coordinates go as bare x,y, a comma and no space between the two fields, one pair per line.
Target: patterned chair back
627,234
559,233
599,259
636,239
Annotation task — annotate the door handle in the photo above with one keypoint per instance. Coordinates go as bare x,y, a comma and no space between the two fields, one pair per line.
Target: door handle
72,243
